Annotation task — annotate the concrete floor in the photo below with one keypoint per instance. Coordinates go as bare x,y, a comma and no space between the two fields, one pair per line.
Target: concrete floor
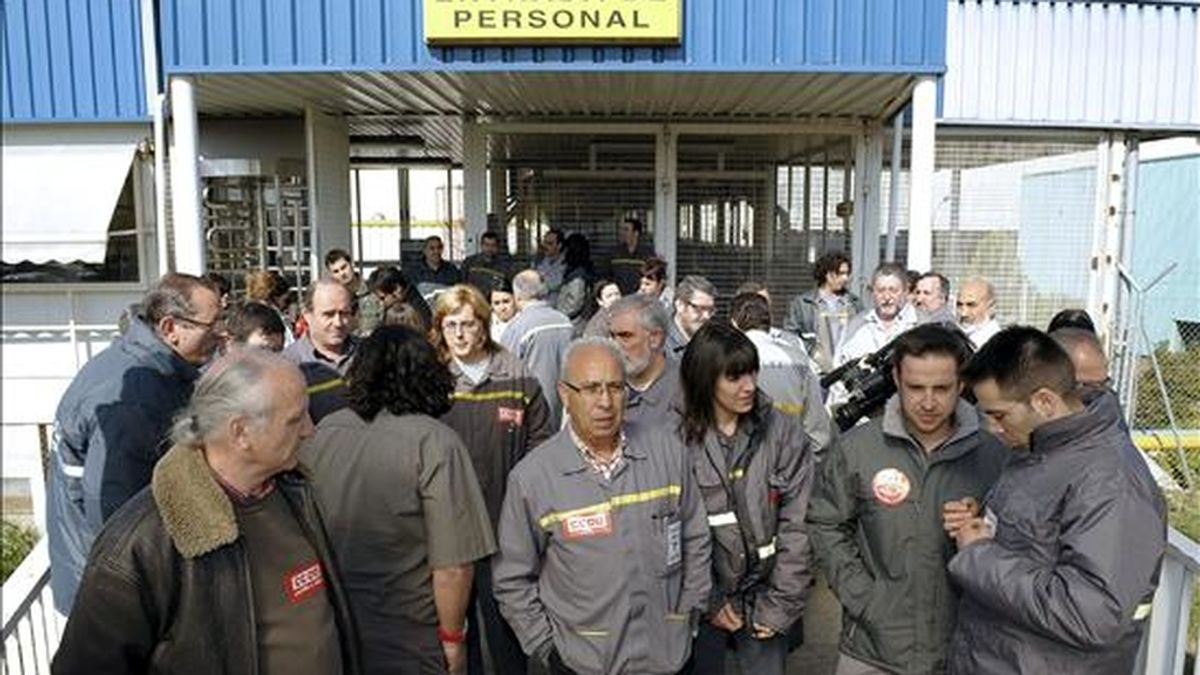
822,625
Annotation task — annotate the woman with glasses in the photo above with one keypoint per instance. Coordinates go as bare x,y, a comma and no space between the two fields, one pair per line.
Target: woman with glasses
754,468
501,414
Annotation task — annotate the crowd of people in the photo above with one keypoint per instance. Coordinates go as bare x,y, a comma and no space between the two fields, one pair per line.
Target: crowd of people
577,468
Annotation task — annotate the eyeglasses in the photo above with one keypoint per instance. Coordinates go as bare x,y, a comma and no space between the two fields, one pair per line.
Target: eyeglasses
216,325
597,389
704,310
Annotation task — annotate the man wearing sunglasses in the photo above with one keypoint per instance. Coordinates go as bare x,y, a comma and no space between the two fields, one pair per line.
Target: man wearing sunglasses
604,549
113,418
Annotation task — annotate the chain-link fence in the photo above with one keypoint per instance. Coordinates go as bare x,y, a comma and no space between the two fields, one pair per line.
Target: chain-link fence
1158,353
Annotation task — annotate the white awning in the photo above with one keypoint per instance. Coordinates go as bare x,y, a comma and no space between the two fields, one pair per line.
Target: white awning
58,200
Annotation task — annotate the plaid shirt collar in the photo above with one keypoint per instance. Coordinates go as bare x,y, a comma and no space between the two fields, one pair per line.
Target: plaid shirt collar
601,466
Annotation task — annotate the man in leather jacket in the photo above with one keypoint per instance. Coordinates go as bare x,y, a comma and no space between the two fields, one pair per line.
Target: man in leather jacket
222,565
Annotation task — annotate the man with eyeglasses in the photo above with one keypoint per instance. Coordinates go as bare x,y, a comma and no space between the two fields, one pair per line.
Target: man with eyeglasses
113,418
695,304
604,549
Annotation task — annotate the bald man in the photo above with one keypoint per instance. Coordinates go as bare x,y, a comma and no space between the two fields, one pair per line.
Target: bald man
1087,355
976,308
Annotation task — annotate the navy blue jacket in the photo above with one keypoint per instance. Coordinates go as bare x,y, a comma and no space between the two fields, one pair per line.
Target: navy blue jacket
110,430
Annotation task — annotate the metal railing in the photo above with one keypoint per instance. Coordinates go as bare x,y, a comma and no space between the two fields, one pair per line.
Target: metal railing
32,626
1164,650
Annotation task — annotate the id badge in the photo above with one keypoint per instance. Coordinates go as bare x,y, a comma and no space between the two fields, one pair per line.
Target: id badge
674,542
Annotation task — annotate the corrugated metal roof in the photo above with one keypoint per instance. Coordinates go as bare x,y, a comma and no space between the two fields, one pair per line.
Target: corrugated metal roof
73,61
559,94
1098,64
739,35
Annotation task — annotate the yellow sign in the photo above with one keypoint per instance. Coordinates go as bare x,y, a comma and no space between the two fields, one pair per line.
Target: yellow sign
449,22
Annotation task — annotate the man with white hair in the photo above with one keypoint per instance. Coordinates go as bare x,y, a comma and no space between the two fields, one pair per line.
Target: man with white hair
538,335
891,315
222,566
976,305
604,547
638,324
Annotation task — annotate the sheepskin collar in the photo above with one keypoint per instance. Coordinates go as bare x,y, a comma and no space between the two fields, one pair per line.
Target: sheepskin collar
195,510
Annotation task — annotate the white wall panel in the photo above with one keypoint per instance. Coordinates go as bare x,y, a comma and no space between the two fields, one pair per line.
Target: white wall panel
1112,64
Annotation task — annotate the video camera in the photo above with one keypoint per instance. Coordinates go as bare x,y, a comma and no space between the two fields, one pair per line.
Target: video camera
868,380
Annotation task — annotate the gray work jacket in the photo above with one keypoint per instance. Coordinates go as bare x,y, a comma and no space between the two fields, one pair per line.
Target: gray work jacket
876,523
756,496
613,571
539,336
785,376
659,403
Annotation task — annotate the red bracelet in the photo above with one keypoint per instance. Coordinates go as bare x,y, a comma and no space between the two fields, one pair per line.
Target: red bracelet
455,637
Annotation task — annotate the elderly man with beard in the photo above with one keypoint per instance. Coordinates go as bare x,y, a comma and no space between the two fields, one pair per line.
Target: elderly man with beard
638,325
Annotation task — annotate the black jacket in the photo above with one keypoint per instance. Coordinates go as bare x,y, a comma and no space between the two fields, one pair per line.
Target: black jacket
876,522
756,500
167,587
1067,581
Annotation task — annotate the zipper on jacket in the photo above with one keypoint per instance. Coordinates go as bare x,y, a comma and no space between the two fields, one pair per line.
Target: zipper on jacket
244,560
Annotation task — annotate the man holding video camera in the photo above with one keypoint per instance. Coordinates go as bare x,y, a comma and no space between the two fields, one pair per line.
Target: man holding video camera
887,499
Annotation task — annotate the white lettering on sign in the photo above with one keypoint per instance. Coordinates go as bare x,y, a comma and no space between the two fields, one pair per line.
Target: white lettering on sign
303,581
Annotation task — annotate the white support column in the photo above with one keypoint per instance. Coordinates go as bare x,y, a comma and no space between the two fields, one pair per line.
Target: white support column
327,141
185,178
920,199
894,191
868,170
1107,239
666,198
475,190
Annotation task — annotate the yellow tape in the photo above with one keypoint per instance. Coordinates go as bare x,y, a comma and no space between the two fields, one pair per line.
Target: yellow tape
793,409
489,395
325,386
613,502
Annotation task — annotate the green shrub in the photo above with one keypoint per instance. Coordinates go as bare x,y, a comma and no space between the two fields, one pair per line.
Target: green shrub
16,541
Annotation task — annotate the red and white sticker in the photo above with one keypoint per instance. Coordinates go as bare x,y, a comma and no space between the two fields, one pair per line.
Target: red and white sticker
890,486
593,524
303,581
513,416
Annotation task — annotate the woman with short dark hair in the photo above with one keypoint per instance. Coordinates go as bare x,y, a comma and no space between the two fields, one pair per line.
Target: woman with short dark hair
402,506
754,467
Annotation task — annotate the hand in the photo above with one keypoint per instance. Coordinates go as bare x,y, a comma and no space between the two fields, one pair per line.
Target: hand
762,632
727,619
456,657
956,513
975,529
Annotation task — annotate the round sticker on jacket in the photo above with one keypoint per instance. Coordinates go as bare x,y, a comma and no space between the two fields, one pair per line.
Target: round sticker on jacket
890,486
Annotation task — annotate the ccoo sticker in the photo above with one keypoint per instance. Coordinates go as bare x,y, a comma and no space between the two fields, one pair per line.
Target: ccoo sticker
890,486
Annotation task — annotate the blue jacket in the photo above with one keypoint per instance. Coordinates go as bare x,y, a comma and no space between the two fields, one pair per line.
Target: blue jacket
110,429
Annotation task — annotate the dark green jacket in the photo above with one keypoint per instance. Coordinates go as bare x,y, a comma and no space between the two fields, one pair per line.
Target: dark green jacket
876,523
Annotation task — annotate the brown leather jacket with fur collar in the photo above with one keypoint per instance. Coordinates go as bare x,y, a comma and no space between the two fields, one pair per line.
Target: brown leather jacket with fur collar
167,586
